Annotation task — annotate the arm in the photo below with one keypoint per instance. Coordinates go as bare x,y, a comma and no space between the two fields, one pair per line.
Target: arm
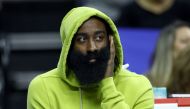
145,94
37,97
141,98
114,99
111,98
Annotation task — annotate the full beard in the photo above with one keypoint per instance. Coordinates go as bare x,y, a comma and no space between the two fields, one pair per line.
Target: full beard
88,72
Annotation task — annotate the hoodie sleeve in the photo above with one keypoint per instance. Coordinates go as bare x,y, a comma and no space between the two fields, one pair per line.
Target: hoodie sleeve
113,99
37,95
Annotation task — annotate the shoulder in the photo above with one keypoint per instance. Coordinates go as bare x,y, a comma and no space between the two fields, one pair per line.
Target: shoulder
135,88
132,79
128,74
38,96
39,81
38,85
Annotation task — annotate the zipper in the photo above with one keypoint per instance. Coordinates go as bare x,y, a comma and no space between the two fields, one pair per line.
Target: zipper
81,103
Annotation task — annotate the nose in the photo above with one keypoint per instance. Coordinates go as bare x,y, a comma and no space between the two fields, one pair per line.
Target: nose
92,46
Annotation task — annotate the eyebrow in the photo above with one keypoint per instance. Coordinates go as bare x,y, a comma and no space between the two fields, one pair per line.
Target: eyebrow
84,34
80,34
98,32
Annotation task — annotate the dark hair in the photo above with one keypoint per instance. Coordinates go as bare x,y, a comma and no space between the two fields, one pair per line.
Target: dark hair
107,26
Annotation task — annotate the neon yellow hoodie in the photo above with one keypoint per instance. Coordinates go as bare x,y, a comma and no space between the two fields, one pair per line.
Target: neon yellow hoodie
59,89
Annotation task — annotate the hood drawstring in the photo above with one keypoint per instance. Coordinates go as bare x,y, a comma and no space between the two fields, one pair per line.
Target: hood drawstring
81,103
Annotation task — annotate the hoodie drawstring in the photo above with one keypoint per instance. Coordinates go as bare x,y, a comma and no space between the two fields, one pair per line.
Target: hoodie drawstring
81,103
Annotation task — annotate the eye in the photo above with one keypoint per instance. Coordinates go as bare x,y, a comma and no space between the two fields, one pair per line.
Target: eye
81,39
99,37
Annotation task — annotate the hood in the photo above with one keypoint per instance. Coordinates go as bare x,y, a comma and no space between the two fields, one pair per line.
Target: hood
69,26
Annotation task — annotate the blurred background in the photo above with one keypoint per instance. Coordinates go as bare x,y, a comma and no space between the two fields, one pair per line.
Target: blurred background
30,41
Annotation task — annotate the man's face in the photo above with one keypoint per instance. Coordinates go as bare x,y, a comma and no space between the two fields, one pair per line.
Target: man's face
89,54
90,37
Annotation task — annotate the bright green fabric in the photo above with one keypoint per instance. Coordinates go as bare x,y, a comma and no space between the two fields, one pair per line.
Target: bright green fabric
59,88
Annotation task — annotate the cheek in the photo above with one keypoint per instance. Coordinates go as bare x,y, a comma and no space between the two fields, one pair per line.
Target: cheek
179,46
81,49
103,44
100,46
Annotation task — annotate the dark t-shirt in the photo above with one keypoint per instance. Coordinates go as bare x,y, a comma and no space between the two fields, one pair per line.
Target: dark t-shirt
134,16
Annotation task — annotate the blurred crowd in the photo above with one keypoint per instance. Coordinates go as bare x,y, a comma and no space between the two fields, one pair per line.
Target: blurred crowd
143,13
170,62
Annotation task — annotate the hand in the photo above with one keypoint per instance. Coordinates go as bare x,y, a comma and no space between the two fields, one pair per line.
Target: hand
110,66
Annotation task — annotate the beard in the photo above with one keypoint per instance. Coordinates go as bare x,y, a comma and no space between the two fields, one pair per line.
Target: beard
88,72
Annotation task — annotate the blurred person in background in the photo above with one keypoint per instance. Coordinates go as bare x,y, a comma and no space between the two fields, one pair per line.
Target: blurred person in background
112,8
89,73
1,79
1,88
154,13
172,40
180,78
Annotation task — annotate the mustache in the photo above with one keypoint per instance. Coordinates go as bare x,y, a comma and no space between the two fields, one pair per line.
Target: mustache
92,55
98,55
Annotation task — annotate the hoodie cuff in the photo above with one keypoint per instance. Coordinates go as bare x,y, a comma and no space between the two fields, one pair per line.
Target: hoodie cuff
107,87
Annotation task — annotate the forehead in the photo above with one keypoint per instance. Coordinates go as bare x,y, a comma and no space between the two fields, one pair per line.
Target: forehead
92,23
183,32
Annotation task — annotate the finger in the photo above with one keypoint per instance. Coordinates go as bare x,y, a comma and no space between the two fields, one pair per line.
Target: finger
112,45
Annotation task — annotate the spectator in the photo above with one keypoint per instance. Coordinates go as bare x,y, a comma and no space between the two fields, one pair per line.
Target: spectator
154,13
172,40
1,88
1,79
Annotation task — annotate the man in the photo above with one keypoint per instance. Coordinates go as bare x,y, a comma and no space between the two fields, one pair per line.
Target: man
89,73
